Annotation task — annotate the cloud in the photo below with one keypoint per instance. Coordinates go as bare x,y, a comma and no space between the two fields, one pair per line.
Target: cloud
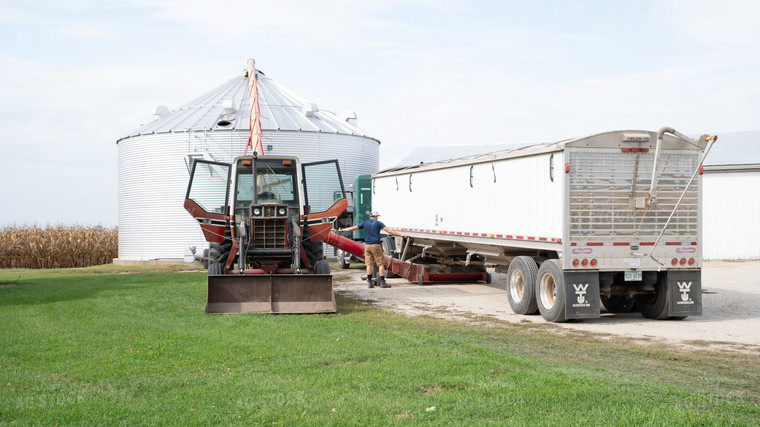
709,22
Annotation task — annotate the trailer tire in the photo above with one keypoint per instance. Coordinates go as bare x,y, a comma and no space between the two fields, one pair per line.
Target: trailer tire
618,304
389,246
550,291
656,306
521,277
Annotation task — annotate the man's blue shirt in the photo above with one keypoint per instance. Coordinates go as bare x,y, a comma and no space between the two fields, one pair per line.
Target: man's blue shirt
371,229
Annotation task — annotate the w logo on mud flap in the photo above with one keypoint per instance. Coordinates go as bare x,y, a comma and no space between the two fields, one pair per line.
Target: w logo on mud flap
685,289
580,292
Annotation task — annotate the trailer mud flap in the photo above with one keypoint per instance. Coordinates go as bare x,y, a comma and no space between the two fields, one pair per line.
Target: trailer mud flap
270,293
582,295
685,289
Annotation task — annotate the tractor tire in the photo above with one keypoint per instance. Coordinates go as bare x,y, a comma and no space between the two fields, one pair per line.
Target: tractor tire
321,267
214,251
215,268
314,250
521,290
550,291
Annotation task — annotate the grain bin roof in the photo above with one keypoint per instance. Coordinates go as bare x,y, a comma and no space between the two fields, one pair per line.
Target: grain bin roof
281,110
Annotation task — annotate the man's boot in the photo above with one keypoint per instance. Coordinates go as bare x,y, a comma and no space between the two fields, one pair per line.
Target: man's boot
383,284
371,284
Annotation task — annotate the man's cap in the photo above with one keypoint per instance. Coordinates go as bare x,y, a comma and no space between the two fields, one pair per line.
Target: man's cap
375,213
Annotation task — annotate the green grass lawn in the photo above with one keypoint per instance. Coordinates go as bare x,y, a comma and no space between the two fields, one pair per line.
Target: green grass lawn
96,346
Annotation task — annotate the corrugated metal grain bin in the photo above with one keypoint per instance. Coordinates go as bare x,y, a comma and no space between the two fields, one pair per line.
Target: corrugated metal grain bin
154,160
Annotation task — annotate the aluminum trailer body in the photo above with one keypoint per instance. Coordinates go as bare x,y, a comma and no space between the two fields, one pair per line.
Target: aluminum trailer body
574,224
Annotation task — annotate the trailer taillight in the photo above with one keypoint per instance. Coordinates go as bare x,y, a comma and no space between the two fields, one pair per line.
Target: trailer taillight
567,167
683,261
674,261
593,263
576,263
691,261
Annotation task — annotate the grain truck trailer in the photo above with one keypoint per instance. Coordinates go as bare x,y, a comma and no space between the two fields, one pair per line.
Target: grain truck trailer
611,219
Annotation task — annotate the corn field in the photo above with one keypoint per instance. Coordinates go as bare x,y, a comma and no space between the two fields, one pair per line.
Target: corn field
32,246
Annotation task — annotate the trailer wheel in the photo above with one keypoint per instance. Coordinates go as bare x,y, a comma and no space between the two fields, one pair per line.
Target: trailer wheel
389,246
656,306
550,289
618,304
521,276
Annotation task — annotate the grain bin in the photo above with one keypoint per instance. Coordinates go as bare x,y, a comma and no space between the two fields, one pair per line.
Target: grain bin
153,161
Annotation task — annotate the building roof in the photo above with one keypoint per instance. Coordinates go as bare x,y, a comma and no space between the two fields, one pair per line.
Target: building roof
228,108
735,148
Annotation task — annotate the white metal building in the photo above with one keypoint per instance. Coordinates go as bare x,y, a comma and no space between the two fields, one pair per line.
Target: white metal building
731,204
153,161
731,199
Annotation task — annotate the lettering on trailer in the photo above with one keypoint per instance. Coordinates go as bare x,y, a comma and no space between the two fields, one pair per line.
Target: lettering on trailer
580,295
578,251
685,289
686,250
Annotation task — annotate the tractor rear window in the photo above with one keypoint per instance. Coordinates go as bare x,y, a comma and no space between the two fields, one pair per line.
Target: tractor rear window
273,183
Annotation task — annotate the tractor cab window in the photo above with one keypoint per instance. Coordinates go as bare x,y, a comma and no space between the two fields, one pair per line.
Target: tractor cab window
273,182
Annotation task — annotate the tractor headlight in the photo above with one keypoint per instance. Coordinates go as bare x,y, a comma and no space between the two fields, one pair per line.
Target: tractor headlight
282,211
256,211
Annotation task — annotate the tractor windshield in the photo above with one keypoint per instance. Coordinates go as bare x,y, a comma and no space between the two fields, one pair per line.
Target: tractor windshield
274,182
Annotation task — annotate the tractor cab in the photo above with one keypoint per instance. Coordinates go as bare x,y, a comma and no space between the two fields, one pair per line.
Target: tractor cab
265,181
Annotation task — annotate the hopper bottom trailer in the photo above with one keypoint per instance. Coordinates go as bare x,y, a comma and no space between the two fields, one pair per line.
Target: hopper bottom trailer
611,219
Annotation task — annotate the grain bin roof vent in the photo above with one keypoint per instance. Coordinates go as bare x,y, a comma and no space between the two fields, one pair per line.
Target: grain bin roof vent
229,106
162,111
229,114
309,109
348,116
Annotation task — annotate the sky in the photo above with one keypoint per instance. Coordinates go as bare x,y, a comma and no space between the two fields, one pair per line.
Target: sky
77,75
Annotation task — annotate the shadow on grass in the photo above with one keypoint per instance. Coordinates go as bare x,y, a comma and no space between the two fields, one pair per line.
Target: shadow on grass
55,288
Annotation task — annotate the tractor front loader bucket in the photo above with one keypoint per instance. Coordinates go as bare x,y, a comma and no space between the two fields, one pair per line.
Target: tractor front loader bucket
270,293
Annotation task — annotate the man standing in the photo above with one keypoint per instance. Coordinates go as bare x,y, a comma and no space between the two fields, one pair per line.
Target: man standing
373,250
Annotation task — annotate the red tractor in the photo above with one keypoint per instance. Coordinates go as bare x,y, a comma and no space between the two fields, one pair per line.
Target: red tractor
266,219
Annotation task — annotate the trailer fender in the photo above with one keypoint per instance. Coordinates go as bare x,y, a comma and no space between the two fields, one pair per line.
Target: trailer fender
685,288
582,295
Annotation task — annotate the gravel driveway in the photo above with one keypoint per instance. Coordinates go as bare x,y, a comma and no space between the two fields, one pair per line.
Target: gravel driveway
730,306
